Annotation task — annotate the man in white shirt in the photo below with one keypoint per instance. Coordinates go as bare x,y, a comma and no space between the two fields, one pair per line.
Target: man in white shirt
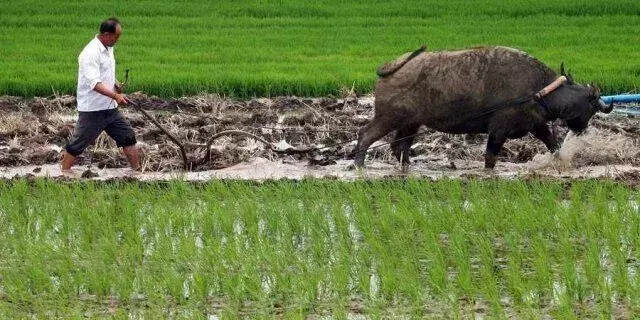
98,97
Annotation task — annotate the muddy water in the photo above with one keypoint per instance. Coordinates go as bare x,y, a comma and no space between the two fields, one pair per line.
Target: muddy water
34,132
263,169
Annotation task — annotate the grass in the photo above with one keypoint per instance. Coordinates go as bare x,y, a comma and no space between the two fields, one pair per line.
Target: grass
262,48
445,249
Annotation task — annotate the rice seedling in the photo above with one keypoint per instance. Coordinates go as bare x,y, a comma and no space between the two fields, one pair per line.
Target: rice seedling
415,248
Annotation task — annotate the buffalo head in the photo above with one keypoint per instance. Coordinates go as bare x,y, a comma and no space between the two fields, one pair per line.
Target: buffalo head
577,103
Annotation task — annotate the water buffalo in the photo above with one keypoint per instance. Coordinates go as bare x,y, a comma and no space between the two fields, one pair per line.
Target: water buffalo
496,90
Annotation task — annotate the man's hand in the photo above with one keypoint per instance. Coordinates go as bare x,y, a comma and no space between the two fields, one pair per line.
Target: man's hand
104,90
120,98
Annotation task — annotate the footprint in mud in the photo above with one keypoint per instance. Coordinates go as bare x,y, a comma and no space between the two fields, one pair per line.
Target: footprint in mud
69,173
89,174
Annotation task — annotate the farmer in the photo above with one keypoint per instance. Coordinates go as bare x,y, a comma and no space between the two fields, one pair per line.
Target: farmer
98,97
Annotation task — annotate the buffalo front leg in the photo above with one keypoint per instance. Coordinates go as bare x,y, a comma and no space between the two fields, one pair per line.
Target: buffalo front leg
545,135
494,145
372,132
401,145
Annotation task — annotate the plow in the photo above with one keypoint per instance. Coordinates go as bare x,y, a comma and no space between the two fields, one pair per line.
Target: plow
189,165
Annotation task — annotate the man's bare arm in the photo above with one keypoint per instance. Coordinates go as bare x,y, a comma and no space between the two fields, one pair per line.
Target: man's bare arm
104,90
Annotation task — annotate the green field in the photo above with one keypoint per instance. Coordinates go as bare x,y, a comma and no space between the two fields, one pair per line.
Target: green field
292,249
448,249
266,48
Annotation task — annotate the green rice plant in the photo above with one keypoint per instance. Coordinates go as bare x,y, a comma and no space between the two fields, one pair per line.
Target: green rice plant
267,48
295,249
487,275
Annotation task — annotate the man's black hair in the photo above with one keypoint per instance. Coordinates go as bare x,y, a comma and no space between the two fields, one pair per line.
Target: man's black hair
109,25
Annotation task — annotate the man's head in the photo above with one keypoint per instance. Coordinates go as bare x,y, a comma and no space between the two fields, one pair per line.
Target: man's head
110,31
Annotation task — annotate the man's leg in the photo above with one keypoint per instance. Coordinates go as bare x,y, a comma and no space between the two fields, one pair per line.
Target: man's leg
87,130
67,161
120,130
133,155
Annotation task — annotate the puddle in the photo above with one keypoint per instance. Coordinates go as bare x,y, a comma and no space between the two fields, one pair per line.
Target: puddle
55,281
263,169
349,316
374,283
186,287
267,284
559,290
199,243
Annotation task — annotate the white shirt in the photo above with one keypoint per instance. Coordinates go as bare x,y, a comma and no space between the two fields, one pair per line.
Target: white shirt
95,64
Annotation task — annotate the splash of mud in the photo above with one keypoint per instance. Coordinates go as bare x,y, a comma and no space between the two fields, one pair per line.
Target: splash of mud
561,159
593,147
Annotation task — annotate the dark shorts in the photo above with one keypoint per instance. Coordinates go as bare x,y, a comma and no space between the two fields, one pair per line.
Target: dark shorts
91,124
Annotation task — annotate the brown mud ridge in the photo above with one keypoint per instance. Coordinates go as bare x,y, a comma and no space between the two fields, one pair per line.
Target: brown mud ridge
33,131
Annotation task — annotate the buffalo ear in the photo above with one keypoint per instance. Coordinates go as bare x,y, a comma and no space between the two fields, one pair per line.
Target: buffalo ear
562,69
596,90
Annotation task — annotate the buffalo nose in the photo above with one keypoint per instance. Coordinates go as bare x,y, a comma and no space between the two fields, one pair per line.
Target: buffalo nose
603,106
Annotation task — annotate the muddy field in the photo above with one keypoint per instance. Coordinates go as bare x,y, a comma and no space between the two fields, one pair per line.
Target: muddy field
307,137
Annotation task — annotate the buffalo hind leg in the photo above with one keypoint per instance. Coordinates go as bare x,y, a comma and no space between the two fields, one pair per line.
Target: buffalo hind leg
494,145
545,135
401,146
372,132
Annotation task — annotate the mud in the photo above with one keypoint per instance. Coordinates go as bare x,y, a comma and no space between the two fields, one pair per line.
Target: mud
34,131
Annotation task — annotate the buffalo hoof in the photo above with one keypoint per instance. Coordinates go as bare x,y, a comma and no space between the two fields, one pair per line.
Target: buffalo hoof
358,162
489,166
490,161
